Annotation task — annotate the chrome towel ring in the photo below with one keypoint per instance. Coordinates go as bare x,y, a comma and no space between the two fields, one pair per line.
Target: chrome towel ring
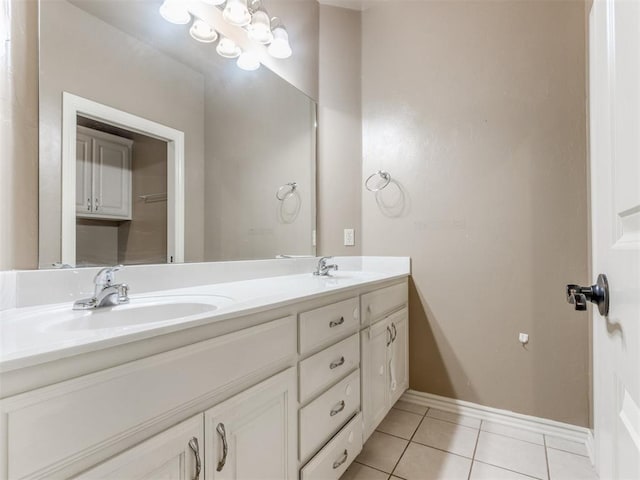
386,179
285,191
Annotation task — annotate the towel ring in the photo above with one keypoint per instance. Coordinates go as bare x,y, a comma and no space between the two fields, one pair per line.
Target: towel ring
382,174
285,191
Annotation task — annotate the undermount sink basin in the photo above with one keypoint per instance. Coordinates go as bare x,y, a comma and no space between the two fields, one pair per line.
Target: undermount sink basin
139,311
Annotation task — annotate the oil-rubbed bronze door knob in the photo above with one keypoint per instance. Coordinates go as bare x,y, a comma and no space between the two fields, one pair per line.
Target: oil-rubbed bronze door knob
597,294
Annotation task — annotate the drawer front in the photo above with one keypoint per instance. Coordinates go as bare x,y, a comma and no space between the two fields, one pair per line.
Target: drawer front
320,326
375,305
67,421
328,366
336,456
326,414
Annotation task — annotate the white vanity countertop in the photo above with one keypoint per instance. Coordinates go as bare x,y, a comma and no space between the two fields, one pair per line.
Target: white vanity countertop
34,335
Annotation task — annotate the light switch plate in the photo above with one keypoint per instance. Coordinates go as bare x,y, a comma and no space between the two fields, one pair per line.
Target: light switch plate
349,237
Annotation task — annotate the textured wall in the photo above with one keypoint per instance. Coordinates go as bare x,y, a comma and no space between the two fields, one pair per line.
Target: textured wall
340,132
478,111
18,134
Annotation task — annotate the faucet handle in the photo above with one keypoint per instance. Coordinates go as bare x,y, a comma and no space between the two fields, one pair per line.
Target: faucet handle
106,275
323,260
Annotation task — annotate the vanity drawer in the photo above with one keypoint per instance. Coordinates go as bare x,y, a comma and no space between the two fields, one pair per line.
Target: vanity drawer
320,326
326,414
54,427
336,456
328,366
375,305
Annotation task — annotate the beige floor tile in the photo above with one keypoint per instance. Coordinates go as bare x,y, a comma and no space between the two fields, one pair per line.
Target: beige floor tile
410,407
512,432
400,423
382,451
512,454
568,466
454,418
447,436
357,471
482,471
421,463
567,445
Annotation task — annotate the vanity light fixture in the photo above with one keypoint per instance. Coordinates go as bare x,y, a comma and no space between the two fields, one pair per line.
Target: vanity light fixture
248,61
279,47
203,32
214,2
174,11
237,13
259,29
227,48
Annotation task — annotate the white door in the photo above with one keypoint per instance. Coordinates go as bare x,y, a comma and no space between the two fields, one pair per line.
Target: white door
111,178
614,42
253,434
175,454
84,205
399,367
375,342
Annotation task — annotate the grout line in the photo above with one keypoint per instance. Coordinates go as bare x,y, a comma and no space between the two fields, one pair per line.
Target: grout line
515,438
508,469
441,450
567,451
374,468
546,456
473,456
409,411
407,446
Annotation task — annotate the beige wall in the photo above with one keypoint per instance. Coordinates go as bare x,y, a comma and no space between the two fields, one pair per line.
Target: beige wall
18,134
146,83
340,132
478,111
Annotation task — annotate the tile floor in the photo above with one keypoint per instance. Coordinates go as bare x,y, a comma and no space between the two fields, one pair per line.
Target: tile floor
417,443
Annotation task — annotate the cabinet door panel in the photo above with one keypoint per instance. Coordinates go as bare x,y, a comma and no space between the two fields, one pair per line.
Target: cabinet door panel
375,342
167,456
111,178
399,366
84,203
259,427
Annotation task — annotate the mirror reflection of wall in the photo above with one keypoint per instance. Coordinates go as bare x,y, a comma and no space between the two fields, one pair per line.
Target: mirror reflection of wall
121,196
245,135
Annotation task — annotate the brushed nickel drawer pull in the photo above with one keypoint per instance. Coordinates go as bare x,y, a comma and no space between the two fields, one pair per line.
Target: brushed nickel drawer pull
343,458
336,363
336,323
193,445
223,435
337,409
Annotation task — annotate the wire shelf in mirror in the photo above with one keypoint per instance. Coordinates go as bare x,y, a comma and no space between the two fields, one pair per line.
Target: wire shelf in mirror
285,191
153,197
377,181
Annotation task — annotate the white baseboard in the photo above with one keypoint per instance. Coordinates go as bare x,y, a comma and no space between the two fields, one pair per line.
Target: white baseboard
506,417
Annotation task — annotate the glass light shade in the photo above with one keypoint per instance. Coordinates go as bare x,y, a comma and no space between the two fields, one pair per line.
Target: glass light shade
174,11
280,47
248,61
237,13
259,29
203,32
214,2
227,48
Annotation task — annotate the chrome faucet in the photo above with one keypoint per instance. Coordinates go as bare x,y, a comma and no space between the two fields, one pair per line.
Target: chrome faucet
106,293
323,270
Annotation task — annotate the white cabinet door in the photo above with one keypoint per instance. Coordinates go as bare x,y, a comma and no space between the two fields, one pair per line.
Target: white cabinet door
175,454
84,204
253,434
375,342
399,356
111,178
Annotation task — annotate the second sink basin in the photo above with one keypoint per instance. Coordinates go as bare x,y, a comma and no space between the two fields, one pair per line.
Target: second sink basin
139,311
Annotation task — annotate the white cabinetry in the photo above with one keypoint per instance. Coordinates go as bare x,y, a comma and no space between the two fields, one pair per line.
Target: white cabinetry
175,454
253,435
103,175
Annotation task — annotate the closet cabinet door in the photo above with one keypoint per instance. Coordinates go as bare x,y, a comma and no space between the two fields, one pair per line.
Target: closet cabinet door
111,179
175,454
84,203
399,355
375,342
253,434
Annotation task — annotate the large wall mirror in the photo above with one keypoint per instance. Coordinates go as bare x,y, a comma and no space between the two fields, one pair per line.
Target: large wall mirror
155,149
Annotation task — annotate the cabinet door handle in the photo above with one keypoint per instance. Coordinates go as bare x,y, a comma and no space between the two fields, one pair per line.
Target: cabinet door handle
97,205
225,448
395,332
336,323
337,409
389,336
193,445
88,204
341,460
336,363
